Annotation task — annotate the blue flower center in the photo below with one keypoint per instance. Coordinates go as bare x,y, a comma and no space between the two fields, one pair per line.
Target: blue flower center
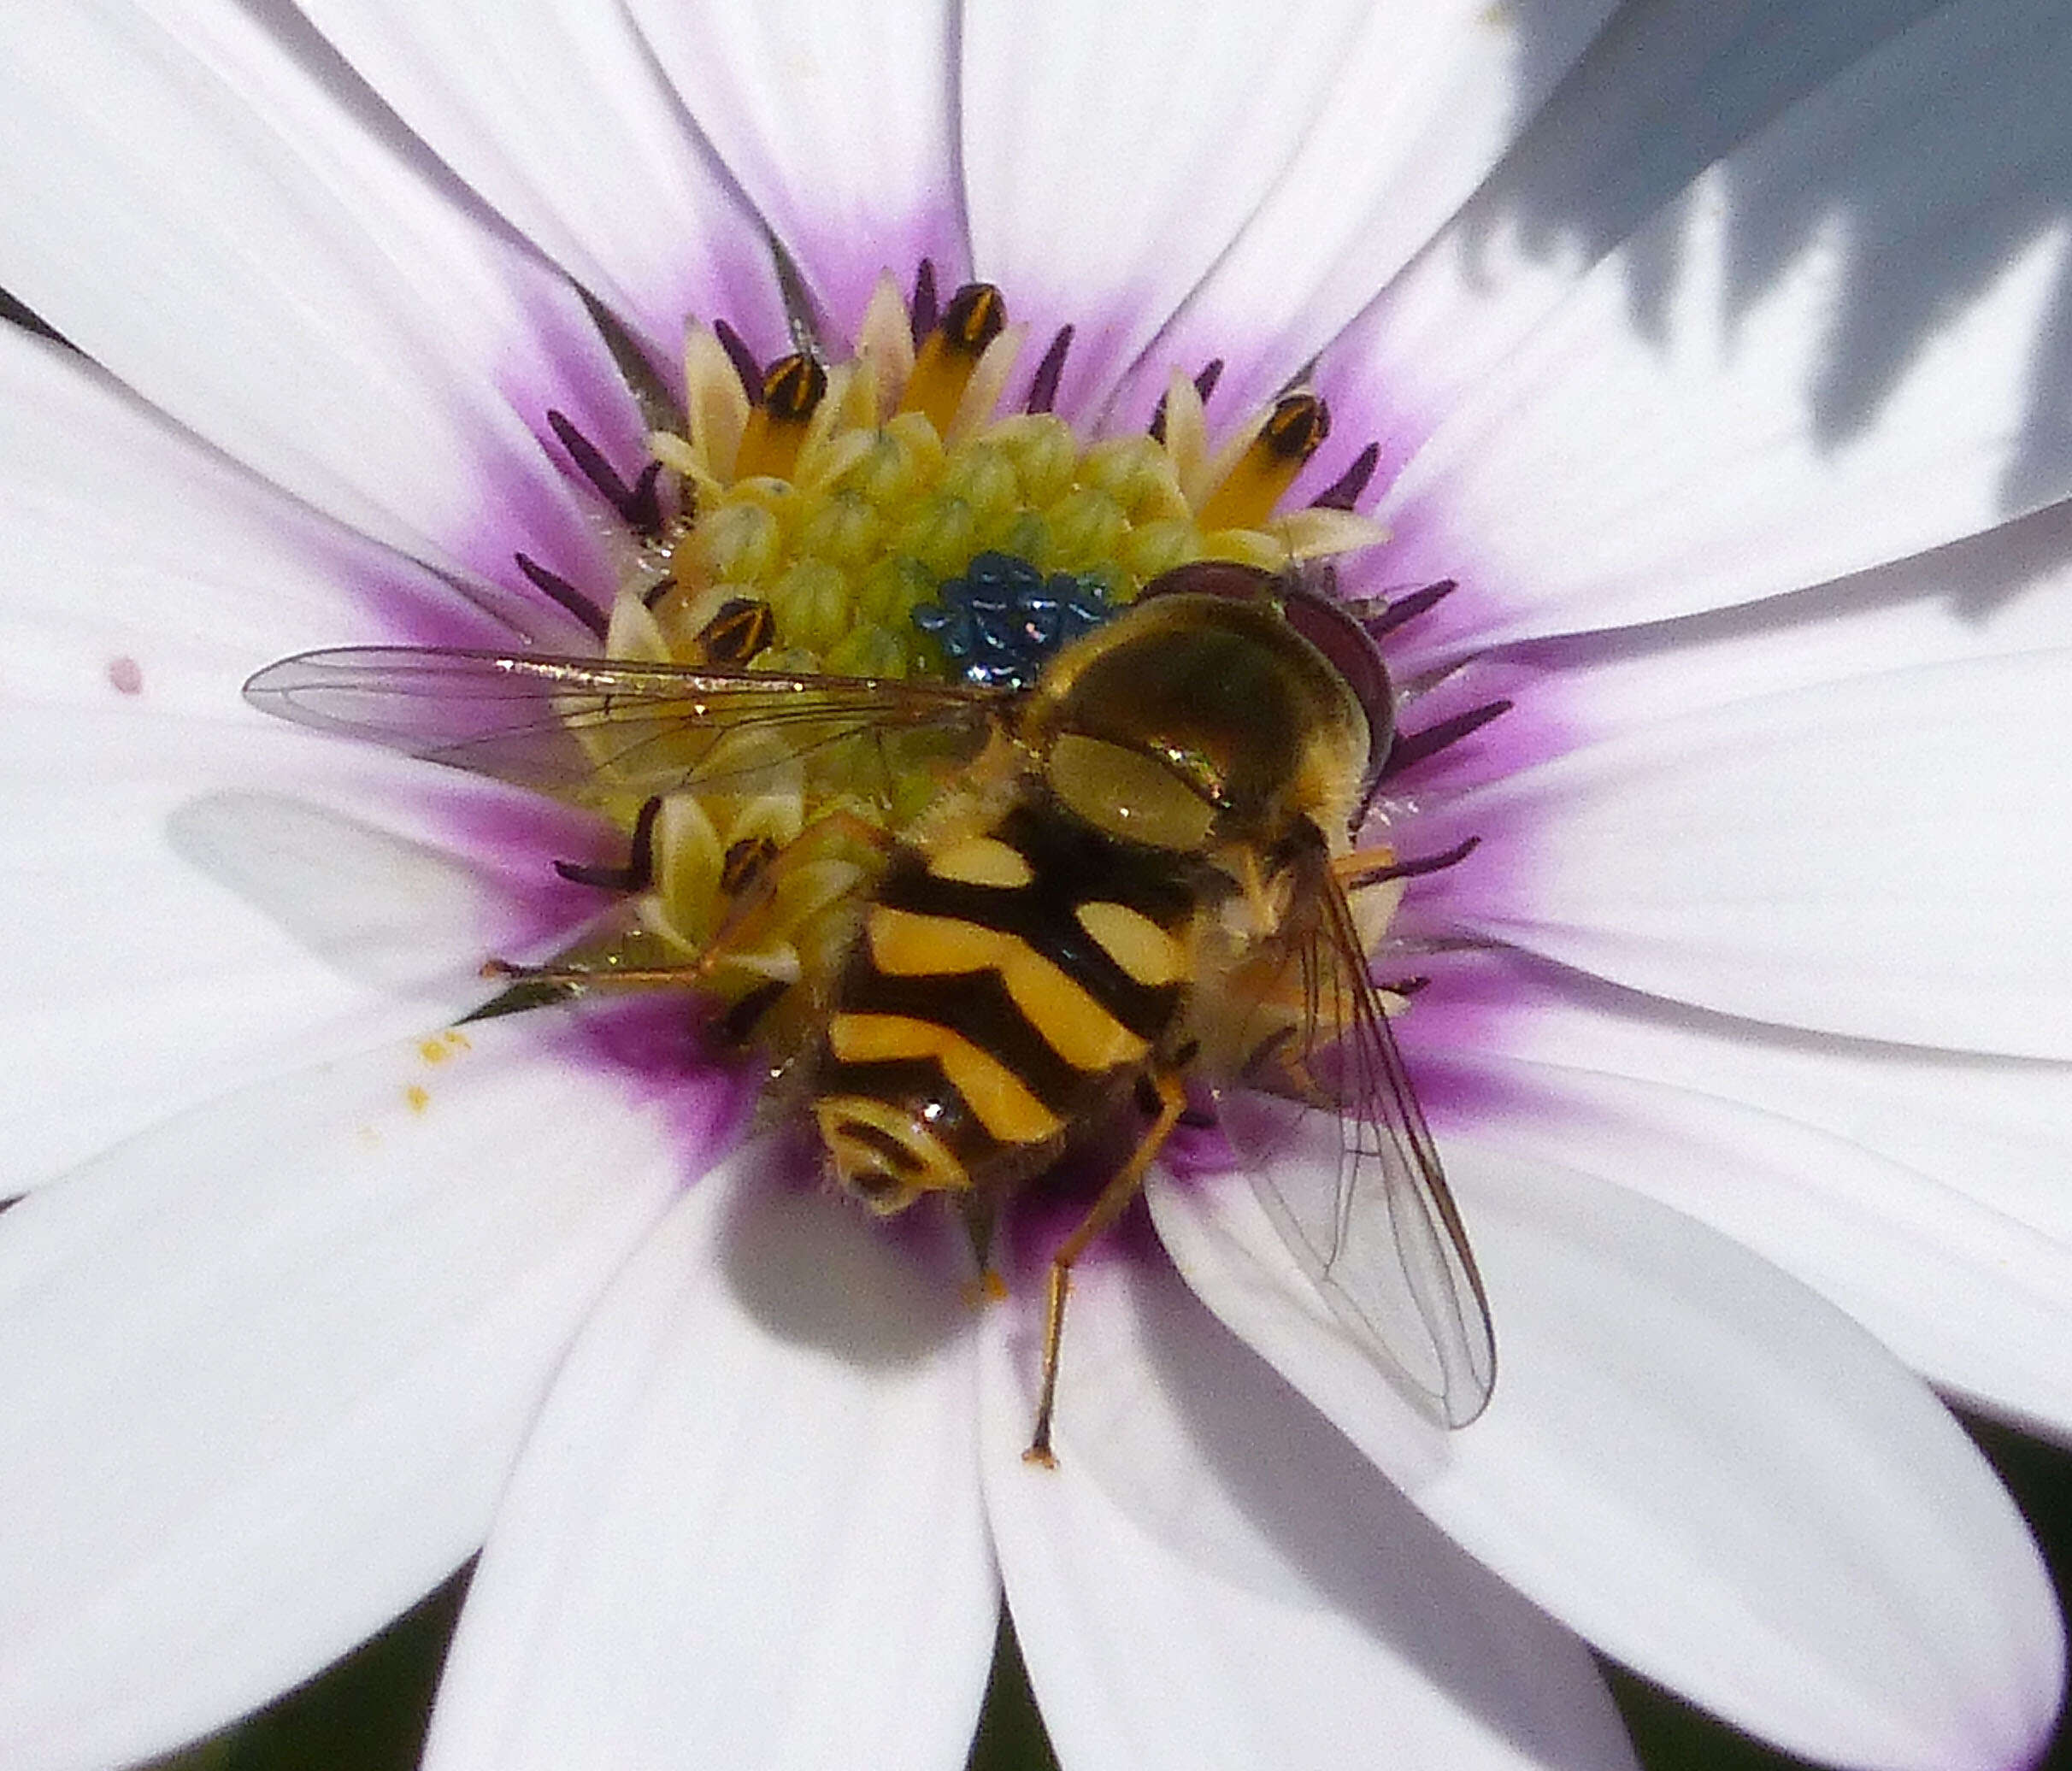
1001,619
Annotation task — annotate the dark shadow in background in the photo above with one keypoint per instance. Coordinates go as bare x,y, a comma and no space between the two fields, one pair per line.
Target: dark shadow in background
1609,148
1607,151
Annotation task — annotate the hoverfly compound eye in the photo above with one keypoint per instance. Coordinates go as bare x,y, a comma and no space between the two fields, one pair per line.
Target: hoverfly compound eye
1319,618
1213,578
1352,651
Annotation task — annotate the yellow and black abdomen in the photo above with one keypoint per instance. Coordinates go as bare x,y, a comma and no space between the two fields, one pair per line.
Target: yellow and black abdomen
1002,985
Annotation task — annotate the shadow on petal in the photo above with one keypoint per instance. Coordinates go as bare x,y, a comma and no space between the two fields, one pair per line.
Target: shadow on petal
815,1269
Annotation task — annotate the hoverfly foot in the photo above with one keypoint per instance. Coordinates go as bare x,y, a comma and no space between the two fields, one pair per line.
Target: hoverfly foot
988,1288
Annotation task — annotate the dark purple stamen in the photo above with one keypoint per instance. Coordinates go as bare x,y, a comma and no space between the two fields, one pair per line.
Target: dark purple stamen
927,310
1416,867
742,358
1409,608
1412,747
638,504
558,590
1204,385
1344,492
639,872
643,507
1042,385
734,1027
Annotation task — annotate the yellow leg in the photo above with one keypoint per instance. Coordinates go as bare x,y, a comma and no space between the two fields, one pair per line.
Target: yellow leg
1117,1194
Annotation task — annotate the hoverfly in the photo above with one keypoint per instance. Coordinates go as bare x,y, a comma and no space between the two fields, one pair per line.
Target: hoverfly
1138,874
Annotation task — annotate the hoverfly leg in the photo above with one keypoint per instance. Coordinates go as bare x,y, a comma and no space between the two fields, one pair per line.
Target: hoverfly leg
639,872
1149,1102
988,1288
581,977
1106,1209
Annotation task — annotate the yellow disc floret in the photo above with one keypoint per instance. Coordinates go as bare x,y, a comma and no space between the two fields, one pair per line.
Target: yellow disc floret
843,495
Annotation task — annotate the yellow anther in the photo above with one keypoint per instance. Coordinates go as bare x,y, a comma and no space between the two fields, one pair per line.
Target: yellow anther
949,355
1260,475
792,393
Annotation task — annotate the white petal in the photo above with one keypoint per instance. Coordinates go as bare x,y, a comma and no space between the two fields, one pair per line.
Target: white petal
196,904
1921,1191
1820,386
2007,591
1111,153
200,899
140,566
1880,856
1426,99
747,1529
1211,1576
1671,86
837,119
553,111
310,301
1708,1472
265,1370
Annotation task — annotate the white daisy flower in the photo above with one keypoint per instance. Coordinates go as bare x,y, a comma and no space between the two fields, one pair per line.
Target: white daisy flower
1716,361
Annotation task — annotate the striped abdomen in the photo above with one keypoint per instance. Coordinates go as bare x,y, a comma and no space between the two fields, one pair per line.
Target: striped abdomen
1001,988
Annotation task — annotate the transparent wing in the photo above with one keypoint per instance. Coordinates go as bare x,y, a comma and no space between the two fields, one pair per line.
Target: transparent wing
591,729
1339,1154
